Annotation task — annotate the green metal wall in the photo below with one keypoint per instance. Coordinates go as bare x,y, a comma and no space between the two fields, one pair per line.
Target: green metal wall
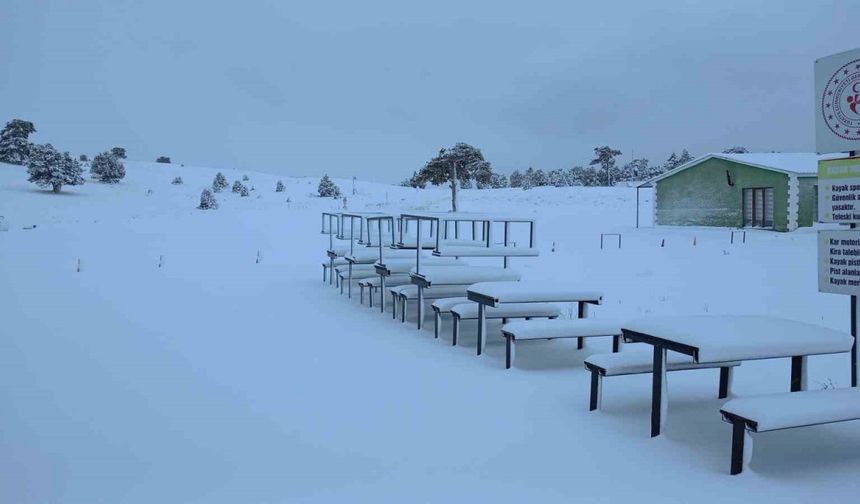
701,195
807,201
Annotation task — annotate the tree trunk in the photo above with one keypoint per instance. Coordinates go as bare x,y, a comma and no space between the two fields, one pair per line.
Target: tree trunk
453,187
57,187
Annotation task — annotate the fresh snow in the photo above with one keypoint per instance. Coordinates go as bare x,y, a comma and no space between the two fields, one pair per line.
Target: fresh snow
534,291
219,379
797,409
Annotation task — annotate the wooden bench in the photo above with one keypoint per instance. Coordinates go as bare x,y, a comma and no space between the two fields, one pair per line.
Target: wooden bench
469,311
788,410
636,362
556,329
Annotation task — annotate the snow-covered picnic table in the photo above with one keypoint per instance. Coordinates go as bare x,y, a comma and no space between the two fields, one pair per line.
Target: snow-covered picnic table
495,293
720,338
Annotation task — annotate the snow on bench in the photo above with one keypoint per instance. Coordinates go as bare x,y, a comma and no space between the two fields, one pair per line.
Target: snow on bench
369,255
406,293
491,251
785,411
471,311
393,266
376,283
640,362
558,328
442,306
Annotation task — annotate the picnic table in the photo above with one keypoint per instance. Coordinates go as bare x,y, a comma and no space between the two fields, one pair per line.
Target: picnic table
721,338
493,294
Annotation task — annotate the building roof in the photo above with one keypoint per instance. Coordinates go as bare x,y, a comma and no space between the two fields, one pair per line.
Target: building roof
791,163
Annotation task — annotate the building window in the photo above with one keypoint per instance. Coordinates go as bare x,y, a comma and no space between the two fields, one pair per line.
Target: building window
758,207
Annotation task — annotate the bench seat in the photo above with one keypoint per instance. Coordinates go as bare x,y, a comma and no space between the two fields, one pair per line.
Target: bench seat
492,251
526,330
469,311
441,306
464,275
405,293
375,282
634,361
785,411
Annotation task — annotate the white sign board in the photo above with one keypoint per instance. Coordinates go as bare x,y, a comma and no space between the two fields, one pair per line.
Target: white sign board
839,262
837,111
839,190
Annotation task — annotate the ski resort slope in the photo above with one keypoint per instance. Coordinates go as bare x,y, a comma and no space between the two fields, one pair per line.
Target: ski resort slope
152,352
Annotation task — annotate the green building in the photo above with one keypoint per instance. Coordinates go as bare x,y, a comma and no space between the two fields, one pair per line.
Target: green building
769,191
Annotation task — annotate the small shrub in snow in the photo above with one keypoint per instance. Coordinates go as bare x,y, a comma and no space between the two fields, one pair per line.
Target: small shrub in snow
245,178
279,187
4,226
163,159
220,182
237,187
49,168
118,152
327,188
244,191
149,192
207,200
178,181
107,168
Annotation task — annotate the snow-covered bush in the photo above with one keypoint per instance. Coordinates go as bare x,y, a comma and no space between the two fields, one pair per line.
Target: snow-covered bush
83,158
237,187
244,191
279,187
327,188
107,168
245,178
163,159
178,181
207,200
220,182
49,168
118,152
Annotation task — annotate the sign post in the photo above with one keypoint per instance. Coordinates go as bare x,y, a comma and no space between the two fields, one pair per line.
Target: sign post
837,130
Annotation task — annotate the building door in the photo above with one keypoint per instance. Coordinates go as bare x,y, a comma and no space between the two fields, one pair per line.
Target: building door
758,207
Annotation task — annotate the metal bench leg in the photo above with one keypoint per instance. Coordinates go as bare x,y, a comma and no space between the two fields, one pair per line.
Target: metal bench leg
510,349
482,328
742,446
616,343
382,294
324,268
659,397
349,283
340,279
403,304
596,391
725,382
579,343
361,294
330,270
437,321
455,329
420,307
394,306
798,373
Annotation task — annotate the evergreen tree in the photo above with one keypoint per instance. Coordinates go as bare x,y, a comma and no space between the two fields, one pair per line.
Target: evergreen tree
14,143
736,150
684,158
220,183
163,159
237,187
516,179
49,168
107,168
83,158
588,176
498,181
118,152
557,178
244,191
279,187
605,157
327,188
245,178
454,166
207,200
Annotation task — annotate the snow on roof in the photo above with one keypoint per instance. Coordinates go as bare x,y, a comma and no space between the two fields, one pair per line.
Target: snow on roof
792,163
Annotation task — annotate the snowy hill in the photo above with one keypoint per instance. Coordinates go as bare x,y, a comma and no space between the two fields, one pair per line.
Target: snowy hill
147,355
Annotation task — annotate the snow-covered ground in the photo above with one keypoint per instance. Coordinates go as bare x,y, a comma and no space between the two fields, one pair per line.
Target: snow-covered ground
215,378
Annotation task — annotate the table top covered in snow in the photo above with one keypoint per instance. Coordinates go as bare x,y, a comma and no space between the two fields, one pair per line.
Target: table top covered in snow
465,217
464,275
390,266
495,292
562,328
796,409
716,338
492,251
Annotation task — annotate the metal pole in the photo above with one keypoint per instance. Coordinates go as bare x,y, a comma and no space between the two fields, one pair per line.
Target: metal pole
637,207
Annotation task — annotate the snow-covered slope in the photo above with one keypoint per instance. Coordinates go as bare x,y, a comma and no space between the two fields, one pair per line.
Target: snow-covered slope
217,378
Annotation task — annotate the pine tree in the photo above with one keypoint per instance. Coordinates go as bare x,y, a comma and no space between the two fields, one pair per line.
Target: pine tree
207,200
454,166
327,188
83,158
220,183
237,187
118,152
244,191
498,181
49,168
684,158
736,150
14,144
279,187
107,168
605,157
516,179
557,178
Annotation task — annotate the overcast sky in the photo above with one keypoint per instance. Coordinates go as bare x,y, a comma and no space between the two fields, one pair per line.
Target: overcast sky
375,88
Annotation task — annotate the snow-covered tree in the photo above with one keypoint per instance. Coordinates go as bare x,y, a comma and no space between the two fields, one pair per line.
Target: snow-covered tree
83,158
557,178
49,168
675,160
245,178
118,152
414,182
14,143
588,176
534,178
736,150
163,159
244,191
279,187
107,168
220,182
516,179
498,181
237,187
327,188
178,181
684,158
454,166
207,200
605,157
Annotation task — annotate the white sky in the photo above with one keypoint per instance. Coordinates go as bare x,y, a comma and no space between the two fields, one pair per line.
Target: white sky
375,88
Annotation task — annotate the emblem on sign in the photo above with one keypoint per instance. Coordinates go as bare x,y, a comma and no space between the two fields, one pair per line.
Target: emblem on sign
840,102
